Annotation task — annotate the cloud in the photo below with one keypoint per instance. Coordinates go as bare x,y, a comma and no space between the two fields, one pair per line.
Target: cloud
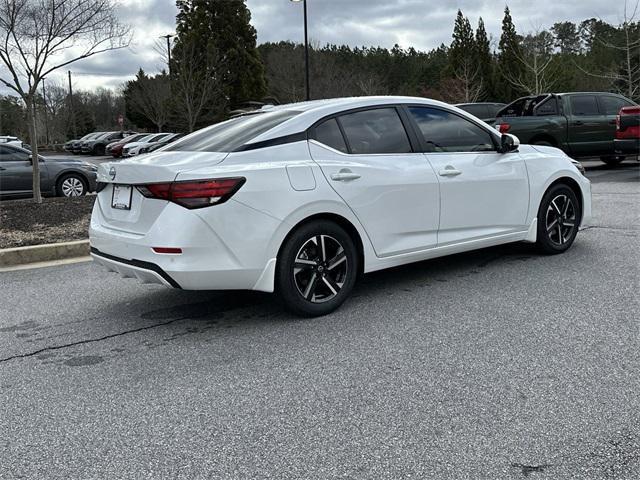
422,24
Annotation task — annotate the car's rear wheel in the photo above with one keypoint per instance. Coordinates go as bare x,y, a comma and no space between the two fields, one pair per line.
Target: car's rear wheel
558,219
99,150
71,185
612,160
316,268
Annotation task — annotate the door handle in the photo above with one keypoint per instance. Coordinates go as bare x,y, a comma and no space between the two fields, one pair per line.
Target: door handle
344,175
578,123
2,168
449,171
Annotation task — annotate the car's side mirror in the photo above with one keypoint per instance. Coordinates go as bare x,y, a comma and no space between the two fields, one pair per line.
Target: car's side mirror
509,143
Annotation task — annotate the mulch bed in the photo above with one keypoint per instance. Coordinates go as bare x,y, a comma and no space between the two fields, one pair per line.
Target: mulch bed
22,222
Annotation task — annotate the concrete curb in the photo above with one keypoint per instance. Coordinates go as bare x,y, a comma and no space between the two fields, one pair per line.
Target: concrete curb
11,257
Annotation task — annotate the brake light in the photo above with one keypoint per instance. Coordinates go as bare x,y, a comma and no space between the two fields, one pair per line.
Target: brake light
503,127
194,194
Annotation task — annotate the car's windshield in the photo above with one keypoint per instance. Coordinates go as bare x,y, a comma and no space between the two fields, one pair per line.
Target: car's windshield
228,136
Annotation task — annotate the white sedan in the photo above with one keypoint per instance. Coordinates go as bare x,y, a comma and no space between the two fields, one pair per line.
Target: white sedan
300,199
133,148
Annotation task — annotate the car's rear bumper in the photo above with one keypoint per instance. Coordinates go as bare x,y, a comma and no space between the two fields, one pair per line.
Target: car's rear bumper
629,146
223,247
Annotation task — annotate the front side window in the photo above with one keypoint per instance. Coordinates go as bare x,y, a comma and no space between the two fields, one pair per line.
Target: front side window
584,105
612,105
379,130
447,132
232,134
8,154
328,133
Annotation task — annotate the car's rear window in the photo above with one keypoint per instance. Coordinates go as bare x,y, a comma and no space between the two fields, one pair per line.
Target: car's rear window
232,134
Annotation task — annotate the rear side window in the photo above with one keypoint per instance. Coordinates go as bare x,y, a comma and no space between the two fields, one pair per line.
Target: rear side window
329,134
612,105
379,130
447,132
232,134
584,105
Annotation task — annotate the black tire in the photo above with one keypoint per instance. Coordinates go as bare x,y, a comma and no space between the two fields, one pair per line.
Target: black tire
558,221
332,282
612,160
71,185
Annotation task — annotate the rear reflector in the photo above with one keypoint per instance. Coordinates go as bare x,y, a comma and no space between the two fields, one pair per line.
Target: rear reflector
503,127
174,251
194,194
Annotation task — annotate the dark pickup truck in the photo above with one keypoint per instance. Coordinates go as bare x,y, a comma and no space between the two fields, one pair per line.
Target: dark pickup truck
580,123
627,139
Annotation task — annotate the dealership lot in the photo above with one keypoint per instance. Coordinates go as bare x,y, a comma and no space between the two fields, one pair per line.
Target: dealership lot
493,364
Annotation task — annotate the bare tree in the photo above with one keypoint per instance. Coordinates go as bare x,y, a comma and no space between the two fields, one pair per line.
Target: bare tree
151,98
198,87
38,37
539,72
626,78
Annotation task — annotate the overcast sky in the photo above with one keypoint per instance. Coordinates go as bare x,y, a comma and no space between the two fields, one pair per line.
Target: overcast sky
423,24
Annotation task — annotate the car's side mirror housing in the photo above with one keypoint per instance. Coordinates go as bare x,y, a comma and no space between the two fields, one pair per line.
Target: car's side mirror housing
509,143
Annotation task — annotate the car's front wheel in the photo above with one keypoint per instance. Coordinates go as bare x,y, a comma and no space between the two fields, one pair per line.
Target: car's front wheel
558,219
316,268
71,185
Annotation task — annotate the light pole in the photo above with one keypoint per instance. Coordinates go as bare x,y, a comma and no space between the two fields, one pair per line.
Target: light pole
306,48
46,120
168,36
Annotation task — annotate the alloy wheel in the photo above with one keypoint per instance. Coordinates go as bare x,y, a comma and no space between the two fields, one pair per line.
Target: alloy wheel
560,220
72,187
320,268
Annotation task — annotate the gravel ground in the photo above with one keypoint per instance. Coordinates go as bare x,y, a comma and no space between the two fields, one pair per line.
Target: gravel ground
495,364
58,219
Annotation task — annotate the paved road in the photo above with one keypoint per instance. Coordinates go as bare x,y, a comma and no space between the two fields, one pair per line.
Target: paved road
496,364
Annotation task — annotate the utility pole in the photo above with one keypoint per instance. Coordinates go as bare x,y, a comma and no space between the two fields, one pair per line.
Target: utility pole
168,36
306,49
73,113
46,115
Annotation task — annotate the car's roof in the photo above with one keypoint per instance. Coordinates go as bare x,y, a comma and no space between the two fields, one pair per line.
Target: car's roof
478,103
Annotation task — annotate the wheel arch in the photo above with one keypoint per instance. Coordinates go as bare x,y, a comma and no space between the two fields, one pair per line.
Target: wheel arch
343,222
544,137
573,185
60,175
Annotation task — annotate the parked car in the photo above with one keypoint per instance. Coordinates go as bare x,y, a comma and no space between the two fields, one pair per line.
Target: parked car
9,140
133,148
98,145
75,146
161,143
115,148
65,178
580,123
302,198
627,139
485,111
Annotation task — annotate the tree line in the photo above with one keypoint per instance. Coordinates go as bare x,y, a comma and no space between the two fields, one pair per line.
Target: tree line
216,67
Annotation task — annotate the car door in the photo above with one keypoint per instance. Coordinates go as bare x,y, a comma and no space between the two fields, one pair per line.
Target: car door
483,193
367,158
588,129
15,171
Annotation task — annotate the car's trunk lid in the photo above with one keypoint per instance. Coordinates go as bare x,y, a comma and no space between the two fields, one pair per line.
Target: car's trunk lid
159,167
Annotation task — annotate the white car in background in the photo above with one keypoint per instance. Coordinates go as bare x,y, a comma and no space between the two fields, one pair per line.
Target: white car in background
9,140
301,199
132,149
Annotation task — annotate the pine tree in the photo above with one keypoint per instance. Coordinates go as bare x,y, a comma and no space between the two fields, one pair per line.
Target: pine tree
484,59
463,69
222,26
509,63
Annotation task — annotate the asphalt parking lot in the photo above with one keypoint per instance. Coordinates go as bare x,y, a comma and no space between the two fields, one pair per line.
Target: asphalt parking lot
495,364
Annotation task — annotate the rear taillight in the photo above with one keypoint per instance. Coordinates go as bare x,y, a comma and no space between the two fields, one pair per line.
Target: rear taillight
503,127
194,194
